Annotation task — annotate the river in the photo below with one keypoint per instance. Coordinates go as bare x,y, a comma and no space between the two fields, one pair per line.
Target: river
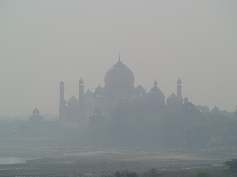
13,160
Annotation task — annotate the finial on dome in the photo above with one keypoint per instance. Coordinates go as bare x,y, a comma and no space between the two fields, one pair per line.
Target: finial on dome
119,57
155,83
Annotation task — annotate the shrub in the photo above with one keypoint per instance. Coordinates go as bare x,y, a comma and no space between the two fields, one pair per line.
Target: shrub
232,164
202,174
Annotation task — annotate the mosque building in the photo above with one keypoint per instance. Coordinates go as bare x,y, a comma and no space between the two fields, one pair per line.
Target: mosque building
119,89
36,116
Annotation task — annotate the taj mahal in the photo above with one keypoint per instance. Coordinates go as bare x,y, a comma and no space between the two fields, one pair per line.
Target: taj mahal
118,90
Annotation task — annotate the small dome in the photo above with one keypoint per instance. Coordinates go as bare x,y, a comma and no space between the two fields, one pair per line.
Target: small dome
35,111
155,94
179,81
215,109
119,75
140,90
185,100
98,89
72,101
88,92
137,100
173,99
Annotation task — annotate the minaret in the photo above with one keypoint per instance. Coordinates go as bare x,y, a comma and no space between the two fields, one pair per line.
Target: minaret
82,104
62,103
81,90
179,93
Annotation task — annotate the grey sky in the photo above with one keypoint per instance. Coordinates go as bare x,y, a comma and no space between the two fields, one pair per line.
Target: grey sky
44,42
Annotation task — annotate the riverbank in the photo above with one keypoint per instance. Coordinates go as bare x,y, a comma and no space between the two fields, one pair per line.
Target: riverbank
97,162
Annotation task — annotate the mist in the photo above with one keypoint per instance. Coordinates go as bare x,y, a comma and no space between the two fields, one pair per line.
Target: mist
45,42
99,87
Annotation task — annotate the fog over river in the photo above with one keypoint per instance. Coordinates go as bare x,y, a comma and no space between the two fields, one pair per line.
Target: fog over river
14,160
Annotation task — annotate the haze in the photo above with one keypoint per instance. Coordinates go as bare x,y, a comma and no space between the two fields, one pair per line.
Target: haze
45,42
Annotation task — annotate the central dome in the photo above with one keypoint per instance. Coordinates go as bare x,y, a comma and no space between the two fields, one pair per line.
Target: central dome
119,75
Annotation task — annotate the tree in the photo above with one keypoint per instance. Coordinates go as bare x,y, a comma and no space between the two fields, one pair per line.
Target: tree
235,111
125,174
232,164
202,174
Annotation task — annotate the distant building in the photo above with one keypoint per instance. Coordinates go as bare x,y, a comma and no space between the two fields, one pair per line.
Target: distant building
36,116
203,109
215,110
118,89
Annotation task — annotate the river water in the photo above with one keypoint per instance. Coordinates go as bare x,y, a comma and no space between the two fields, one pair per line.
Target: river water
13,160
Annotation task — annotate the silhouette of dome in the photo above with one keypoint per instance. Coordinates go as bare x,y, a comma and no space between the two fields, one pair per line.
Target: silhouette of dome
36,111
215,110
35,116
72,101
119,75
173,99
98,89
185,100
139,89
155,94
137,100
88,92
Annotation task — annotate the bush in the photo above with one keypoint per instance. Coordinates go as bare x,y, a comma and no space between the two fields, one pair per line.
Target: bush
232,164
202,174
125,174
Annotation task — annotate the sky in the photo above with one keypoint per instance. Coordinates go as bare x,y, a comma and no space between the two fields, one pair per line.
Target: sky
44,42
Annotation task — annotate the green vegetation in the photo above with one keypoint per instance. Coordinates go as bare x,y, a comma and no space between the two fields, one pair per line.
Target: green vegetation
185,129
211,135
116,164
137,127
202,174
155,173
59,169
232,164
